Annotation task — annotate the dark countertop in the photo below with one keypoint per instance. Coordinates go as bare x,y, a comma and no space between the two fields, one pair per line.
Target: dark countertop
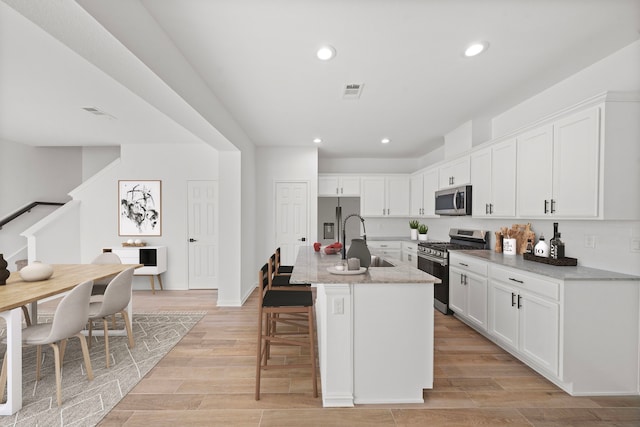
552,271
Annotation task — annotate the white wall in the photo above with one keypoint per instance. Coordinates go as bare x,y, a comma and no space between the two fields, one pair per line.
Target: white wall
282,164
96,158
366,165
174,164
617,72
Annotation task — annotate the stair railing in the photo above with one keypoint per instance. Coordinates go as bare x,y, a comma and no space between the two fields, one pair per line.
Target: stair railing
26,209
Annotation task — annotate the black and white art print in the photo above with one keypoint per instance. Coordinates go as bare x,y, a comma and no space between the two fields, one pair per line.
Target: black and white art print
140,204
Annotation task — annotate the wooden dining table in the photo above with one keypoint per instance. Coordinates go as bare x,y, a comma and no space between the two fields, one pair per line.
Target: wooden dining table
17,293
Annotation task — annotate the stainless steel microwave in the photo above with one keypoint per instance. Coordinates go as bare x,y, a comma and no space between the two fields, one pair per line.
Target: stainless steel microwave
454,201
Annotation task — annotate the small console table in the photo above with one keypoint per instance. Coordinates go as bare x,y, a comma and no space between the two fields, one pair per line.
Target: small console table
154,259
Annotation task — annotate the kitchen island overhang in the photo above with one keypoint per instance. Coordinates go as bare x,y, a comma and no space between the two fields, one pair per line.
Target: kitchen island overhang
375,330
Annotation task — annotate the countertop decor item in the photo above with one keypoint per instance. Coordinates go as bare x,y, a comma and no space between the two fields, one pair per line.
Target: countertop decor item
413,225
333,270
36,271
542,248
564,261
359,249
422,232
4,273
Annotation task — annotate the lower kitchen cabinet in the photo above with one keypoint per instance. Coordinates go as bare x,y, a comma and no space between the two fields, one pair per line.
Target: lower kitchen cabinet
468,295
410,252
525,323
581,332
386,248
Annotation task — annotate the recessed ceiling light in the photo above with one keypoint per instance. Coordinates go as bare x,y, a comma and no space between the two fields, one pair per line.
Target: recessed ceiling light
325,53
317,140
476,48
385,140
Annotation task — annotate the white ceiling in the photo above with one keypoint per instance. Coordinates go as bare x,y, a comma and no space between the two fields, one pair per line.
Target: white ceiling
258,59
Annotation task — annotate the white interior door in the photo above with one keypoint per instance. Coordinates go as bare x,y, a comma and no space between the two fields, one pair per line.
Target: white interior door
203,234
292,229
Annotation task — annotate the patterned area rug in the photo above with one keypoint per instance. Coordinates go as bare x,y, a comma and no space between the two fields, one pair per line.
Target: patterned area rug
85,403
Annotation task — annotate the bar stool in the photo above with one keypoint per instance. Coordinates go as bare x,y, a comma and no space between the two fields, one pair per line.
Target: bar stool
271,304
282,269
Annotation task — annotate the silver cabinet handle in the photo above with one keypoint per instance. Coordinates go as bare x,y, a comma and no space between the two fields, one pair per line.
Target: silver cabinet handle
553,206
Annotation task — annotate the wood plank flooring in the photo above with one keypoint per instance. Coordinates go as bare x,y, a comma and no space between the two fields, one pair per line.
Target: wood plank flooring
208,379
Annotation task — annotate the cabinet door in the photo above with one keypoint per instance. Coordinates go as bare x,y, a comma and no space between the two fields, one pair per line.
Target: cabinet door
430,180
328,185
372,202
456,172
398,195
503,314
481,181
539,331
416,195
503,180
534,171
457,291
350,186
477,299
576,169
410,257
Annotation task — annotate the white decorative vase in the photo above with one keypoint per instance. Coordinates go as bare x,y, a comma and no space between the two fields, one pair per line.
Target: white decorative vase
422,237
414,234
36,271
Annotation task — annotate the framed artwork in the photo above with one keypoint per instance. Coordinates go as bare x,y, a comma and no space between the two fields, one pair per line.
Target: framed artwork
140,208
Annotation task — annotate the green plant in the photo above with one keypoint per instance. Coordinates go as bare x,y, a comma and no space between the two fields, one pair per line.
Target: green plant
414,224
422,229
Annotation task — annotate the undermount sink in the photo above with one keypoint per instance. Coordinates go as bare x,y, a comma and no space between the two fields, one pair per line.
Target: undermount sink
376,261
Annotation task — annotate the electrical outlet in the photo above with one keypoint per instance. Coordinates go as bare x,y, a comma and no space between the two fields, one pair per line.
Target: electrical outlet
635,244
338,306
589,241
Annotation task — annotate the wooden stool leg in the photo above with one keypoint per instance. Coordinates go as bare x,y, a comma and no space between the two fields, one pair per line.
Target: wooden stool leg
153,284
160,282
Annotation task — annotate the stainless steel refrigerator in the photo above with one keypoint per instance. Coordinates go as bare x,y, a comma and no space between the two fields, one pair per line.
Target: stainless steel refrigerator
331,213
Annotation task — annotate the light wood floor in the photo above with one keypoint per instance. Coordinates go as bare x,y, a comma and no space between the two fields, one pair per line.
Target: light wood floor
208,379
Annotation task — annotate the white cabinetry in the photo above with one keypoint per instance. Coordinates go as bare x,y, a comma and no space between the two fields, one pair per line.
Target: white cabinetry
455,172
385,195
558,168
566,329
410,253
386,248
338,185
468,289
525,316
493,176
154,259
423,188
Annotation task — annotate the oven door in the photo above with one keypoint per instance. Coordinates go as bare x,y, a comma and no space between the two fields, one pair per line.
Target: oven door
437,267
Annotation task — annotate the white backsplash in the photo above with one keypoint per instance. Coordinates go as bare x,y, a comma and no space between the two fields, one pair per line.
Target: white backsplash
613,239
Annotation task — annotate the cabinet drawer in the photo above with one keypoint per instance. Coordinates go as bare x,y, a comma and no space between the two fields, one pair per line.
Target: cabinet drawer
468,264
525,281
410,247
382,244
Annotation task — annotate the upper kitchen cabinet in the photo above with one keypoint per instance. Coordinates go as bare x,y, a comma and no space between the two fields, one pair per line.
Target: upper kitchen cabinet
338,186
423,188
493,176
579,164
455,172
558,168
385,195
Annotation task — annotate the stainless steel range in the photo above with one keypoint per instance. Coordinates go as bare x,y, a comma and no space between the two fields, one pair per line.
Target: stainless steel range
433,258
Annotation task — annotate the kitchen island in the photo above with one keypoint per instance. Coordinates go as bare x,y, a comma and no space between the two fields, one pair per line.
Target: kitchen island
375,330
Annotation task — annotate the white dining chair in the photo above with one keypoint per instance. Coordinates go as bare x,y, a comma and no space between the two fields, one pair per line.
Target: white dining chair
100,285
116,298
69,320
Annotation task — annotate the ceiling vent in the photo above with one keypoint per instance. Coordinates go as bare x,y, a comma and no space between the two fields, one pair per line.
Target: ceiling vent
97,112
352,90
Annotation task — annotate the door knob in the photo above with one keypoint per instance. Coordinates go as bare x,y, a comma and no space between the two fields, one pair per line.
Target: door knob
192,240
303,239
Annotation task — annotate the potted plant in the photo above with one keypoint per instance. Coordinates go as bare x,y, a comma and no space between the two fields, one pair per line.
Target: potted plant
413,225
422,232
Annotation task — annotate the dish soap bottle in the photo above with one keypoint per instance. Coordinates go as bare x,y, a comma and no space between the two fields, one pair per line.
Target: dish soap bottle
556,249
541,249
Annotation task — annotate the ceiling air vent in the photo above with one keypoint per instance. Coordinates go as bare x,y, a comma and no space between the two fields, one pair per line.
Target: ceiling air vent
97,112
352,90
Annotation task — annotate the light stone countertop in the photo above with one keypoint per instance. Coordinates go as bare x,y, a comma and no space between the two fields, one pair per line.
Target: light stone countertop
311,267
553,271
